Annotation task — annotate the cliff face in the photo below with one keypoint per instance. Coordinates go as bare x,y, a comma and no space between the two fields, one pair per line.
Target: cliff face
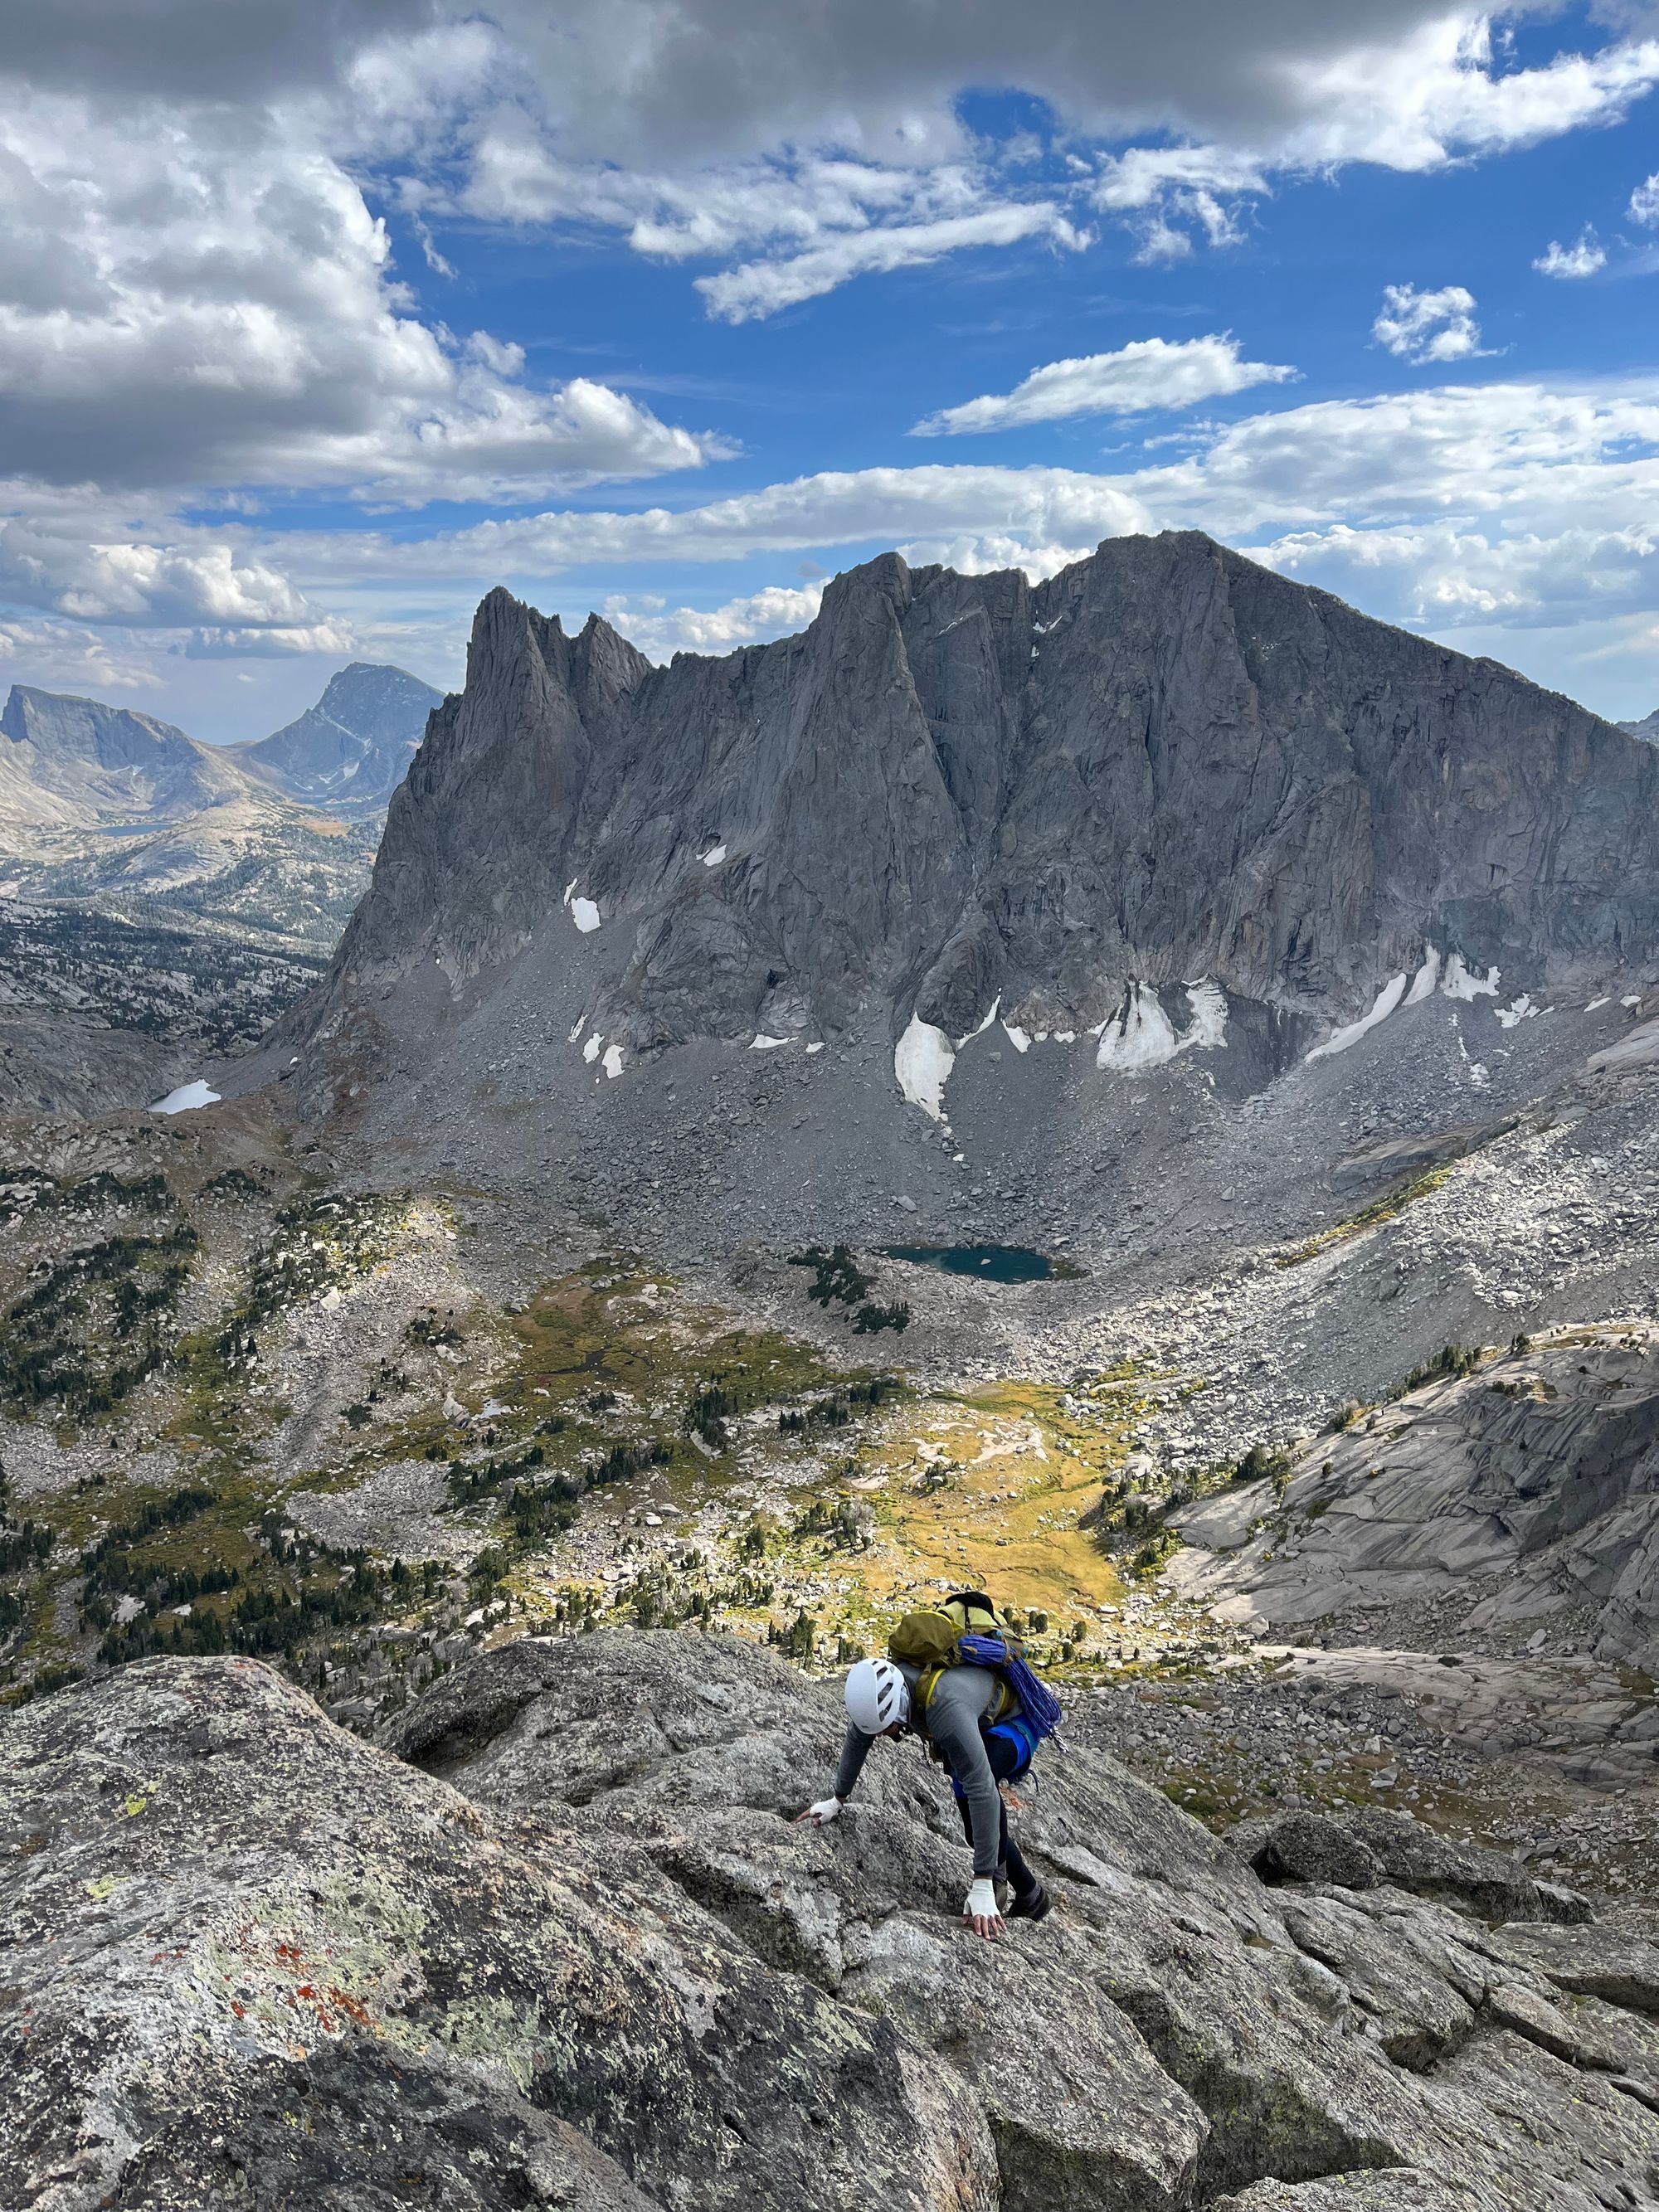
1528,1491
1165,764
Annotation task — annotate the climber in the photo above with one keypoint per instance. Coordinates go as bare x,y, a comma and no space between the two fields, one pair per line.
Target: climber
980,1754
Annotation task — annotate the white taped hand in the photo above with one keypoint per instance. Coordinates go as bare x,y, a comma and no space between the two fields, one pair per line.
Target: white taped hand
827,1808
980,1908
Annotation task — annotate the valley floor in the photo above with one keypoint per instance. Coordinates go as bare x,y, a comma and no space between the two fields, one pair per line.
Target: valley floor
251,1408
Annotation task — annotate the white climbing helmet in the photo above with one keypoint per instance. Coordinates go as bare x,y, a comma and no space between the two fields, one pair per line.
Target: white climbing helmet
877,1695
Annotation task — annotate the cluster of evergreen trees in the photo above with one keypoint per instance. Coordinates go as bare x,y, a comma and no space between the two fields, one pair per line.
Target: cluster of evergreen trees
842,1524
30,1190
91,1329
25,1544
275,1616
467,1484
837,1276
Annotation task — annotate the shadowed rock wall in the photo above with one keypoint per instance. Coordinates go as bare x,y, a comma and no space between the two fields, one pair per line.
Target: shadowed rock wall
1165,763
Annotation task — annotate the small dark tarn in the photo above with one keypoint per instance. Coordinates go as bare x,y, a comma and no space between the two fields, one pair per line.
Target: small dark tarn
992,1263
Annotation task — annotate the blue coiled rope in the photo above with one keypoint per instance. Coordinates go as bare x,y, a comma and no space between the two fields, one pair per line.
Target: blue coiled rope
1037,1702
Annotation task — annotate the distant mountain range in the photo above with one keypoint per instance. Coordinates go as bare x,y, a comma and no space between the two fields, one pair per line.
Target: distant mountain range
1647,728
76,765
351,749
162,898
110,807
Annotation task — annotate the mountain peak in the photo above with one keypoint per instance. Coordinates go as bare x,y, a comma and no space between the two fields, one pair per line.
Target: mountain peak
68,719
78,764
954,792
353,747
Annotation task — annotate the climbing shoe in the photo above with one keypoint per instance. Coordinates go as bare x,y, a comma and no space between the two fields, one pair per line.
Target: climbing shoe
1032,1907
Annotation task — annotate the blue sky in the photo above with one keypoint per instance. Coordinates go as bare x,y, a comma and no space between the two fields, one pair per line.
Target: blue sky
316,324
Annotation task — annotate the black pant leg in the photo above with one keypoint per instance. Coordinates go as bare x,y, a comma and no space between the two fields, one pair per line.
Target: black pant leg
1004,1759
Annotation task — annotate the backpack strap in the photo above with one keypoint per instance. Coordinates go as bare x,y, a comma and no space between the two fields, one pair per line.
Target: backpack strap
1004,1703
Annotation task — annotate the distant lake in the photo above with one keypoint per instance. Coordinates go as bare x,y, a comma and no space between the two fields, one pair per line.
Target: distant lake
991,1263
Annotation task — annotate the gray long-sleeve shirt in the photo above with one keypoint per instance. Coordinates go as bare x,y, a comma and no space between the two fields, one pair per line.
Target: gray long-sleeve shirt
960,1699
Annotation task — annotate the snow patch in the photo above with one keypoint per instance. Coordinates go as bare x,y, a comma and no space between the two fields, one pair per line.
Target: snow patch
613,1061
1209,1004
761,1043
1461,982
1596,1004
591,1049
1140,1034
923,1061
1387,1000
570,887
1017,1037
996,1004
1523,1011
187,1098
580,1026
1424,981
714,856
585,915
818,1047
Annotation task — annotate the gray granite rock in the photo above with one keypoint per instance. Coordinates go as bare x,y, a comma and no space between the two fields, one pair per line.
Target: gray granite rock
1413,1858
595,1961
1396,2189
234,1921
1165,762
1537,1479
1306,1847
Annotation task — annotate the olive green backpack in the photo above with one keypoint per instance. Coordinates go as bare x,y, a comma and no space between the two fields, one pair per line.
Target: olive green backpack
931,1639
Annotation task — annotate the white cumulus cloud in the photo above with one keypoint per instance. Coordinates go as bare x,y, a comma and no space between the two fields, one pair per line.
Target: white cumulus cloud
73,558
660,631
1583,259
1644,201
1148,372
1171,193
762,287
209,302
1428,325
